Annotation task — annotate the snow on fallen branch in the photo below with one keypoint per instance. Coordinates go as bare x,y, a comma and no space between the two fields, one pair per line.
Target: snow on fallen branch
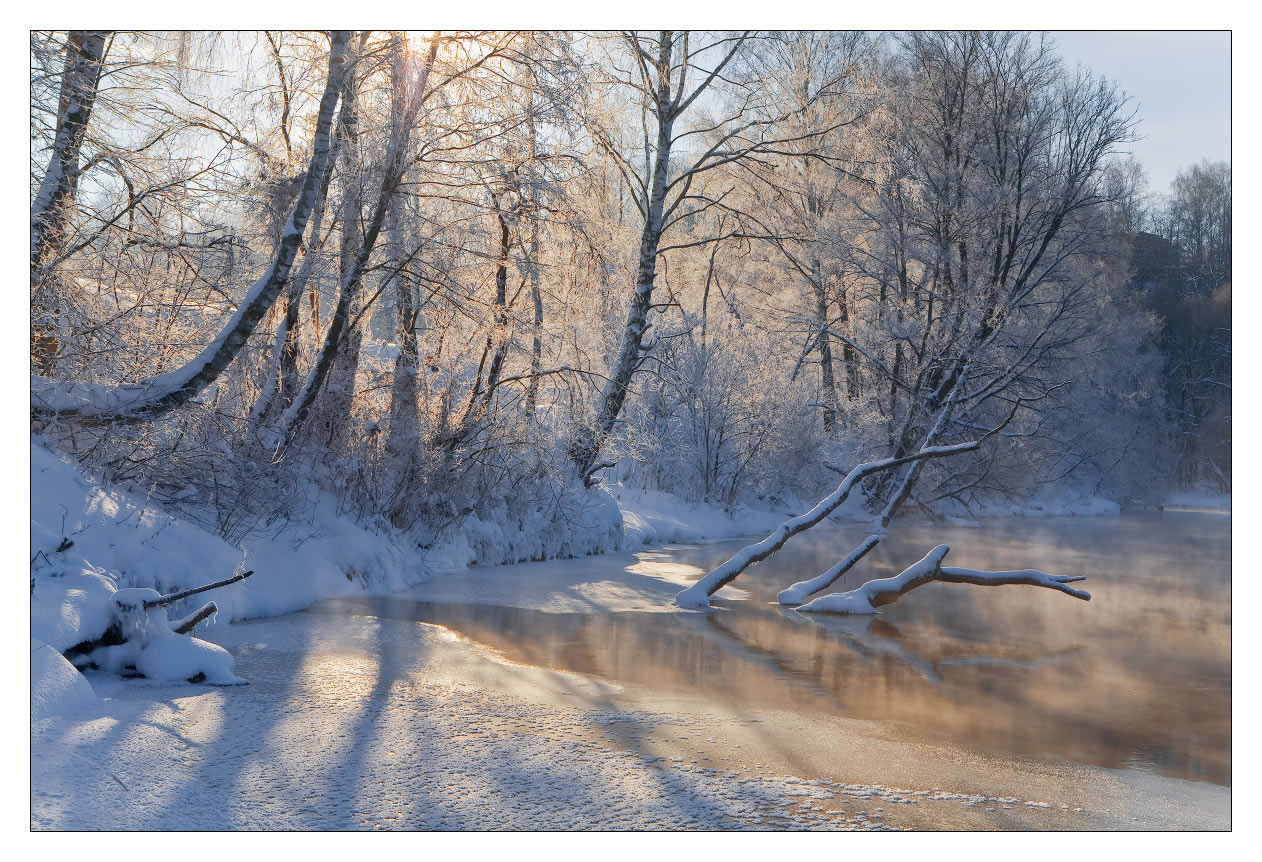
163,601
140,640
698,595
803,590
870,596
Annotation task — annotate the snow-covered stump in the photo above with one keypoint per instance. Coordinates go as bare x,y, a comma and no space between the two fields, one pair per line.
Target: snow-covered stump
803,590
142,641
870,596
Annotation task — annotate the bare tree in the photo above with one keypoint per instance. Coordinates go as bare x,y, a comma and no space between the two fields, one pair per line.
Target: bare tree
981,231
160,394
660,65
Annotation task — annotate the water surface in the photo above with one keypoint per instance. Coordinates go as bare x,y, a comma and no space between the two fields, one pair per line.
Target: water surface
1139,677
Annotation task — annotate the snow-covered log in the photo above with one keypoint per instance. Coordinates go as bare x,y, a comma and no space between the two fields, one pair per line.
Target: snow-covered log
163,601
1027,577
698,595
870,596
96,403
130,611
186,625
803,590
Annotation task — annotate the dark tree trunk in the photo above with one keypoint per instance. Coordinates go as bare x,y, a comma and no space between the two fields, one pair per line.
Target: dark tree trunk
54,201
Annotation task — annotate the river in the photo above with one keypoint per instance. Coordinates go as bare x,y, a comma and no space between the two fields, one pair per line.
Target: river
1139,677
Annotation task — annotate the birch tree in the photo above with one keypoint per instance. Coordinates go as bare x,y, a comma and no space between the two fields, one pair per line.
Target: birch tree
54,200
167,391
666,73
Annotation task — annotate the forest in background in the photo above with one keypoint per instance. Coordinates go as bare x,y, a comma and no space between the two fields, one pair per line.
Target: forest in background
436,278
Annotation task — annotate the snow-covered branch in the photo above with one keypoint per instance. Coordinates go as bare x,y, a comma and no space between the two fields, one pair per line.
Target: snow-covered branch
803,590
698,595
870,596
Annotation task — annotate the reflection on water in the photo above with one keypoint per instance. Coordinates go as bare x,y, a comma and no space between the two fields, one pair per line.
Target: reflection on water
1138,677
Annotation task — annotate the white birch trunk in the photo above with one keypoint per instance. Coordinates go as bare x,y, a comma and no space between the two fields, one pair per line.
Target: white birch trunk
54,200
587,447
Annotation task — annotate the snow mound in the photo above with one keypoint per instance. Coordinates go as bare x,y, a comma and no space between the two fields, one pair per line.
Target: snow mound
656,518
175,658
57,687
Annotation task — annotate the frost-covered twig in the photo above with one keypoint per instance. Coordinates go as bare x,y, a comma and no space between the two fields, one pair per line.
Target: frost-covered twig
868,597
803,590
698,595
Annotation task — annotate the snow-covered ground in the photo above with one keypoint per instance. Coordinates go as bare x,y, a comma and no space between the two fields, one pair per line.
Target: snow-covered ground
656,518
353,722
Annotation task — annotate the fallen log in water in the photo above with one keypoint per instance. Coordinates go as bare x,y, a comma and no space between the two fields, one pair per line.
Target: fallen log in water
867,598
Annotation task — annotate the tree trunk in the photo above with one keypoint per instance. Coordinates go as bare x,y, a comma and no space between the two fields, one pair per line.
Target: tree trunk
54,201
404,434
499,335
825,351
587,446
532,259
340,387
913,472
872,595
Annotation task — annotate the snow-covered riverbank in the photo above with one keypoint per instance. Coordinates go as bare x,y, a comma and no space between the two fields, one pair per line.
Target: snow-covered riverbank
87,541
364,722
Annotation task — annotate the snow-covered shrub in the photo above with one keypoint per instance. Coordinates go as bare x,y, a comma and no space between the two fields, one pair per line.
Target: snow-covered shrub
717,424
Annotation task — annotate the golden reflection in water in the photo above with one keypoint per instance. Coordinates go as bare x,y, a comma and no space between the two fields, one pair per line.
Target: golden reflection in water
1140,676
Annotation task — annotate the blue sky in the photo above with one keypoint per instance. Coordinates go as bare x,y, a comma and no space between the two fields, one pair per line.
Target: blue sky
1182,84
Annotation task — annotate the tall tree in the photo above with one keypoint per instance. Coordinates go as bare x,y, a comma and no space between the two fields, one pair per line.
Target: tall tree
981,230
53,207
668,74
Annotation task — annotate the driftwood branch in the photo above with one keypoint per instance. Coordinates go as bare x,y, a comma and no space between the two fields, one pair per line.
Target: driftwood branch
870,596
803,590
163,601
116,634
